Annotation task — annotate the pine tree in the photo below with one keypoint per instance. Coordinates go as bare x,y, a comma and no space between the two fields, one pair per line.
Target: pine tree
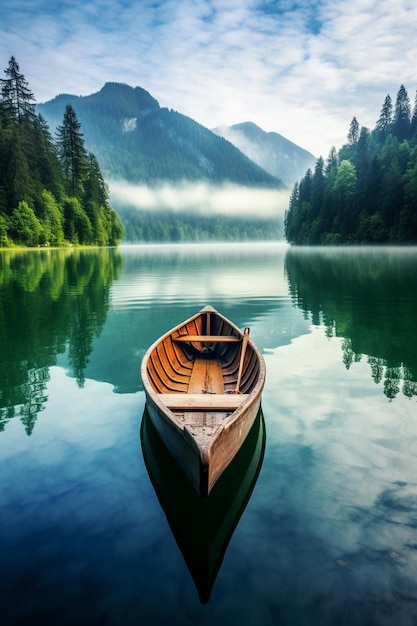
370,187
318,185
353,134
402,114
18,115
414,117
385,118
96,189
290,220
107,229
36,175
17,98
47,163
332,161
72,153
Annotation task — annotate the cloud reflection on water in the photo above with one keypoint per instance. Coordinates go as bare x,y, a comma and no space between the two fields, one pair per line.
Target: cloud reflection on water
339,480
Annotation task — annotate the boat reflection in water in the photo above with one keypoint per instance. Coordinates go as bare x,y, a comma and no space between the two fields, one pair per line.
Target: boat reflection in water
203,526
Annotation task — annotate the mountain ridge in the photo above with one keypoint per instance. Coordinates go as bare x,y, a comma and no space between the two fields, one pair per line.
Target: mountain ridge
149,144
273,152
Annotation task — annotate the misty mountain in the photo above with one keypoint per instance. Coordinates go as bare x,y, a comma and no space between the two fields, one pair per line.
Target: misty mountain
136,140
271,151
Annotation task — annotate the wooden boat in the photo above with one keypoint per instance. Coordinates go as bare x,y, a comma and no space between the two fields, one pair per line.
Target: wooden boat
203,527
203,382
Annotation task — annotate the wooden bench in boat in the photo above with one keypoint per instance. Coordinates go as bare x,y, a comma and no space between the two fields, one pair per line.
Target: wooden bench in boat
208,338
202,401
205,390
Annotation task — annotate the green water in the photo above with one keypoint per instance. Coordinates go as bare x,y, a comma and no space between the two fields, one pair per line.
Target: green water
328,535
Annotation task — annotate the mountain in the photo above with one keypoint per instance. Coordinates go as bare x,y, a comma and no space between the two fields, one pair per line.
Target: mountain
271,151
136,140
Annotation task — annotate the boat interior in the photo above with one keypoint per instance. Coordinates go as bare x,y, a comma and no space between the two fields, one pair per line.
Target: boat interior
196,366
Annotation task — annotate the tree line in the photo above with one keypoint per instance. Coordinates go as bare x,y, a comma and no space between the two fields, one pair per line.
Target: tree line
52,192
366,192
167,226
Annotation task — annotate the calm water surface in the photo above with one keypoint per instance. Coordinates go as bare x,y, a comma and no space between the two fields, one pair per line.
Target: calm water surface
315,523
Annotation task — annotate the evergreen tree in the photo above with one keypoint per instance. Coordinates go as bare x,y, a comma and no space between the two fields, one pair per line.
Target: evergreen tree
77,225
353,134
71,151
106,225
305,187
18,179
318,183
18,114
317,198
344,187
332,162
17,98
33,207
47,162
402,113
95,187
385,118
371,196
290,221
414,117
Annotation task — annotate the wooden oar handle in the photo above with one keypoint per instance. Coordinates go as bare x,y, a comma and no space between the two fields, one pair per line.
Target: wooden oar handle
242,358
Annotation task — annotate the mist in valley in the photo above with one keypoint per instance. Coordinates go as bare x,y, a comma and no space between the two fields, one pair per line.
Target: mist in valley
202,198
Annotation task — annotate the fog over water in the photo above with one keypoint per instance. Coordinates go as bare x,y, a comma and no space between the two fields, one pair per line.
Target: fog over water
201,197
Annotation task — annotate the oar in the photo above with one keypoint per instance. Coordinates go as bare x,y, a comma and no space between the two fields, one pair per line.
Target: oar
242,358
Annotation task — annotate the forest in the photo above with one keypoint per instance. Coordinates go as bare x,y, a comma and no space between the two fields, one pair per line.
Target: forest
366,192
166,226
52,192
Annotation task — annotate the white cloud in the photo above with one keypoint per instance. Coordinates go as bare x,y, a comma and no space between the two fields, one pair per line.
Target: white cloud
302,69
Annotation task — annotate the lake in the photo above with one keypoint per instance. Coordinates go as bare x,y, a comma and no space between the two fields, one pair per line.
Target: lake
315,523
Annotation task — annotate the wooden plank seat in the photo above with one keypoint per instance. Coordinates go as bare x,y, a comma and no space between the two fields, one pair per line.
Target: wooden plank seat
202,401
208,338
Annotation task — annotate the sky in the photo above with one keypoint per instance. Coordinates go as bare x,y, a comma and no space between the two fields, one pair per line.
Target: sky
303,69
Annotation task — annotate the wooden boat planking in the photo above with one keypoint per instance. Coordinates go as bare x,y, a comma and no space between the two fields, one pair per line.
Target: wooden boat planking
189,377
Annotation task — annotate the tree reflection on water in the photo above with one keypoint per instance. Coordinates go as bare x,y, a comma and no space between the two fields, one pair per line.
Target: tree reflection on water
367,296
50,302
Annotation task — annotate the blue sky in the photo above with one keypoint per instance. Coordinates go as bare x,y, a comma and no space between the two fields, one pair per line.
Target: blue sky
302,69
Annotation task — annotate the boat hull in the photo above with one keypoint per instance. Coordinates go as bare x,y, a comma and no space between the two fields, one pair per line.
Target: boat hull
202,440
203,466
